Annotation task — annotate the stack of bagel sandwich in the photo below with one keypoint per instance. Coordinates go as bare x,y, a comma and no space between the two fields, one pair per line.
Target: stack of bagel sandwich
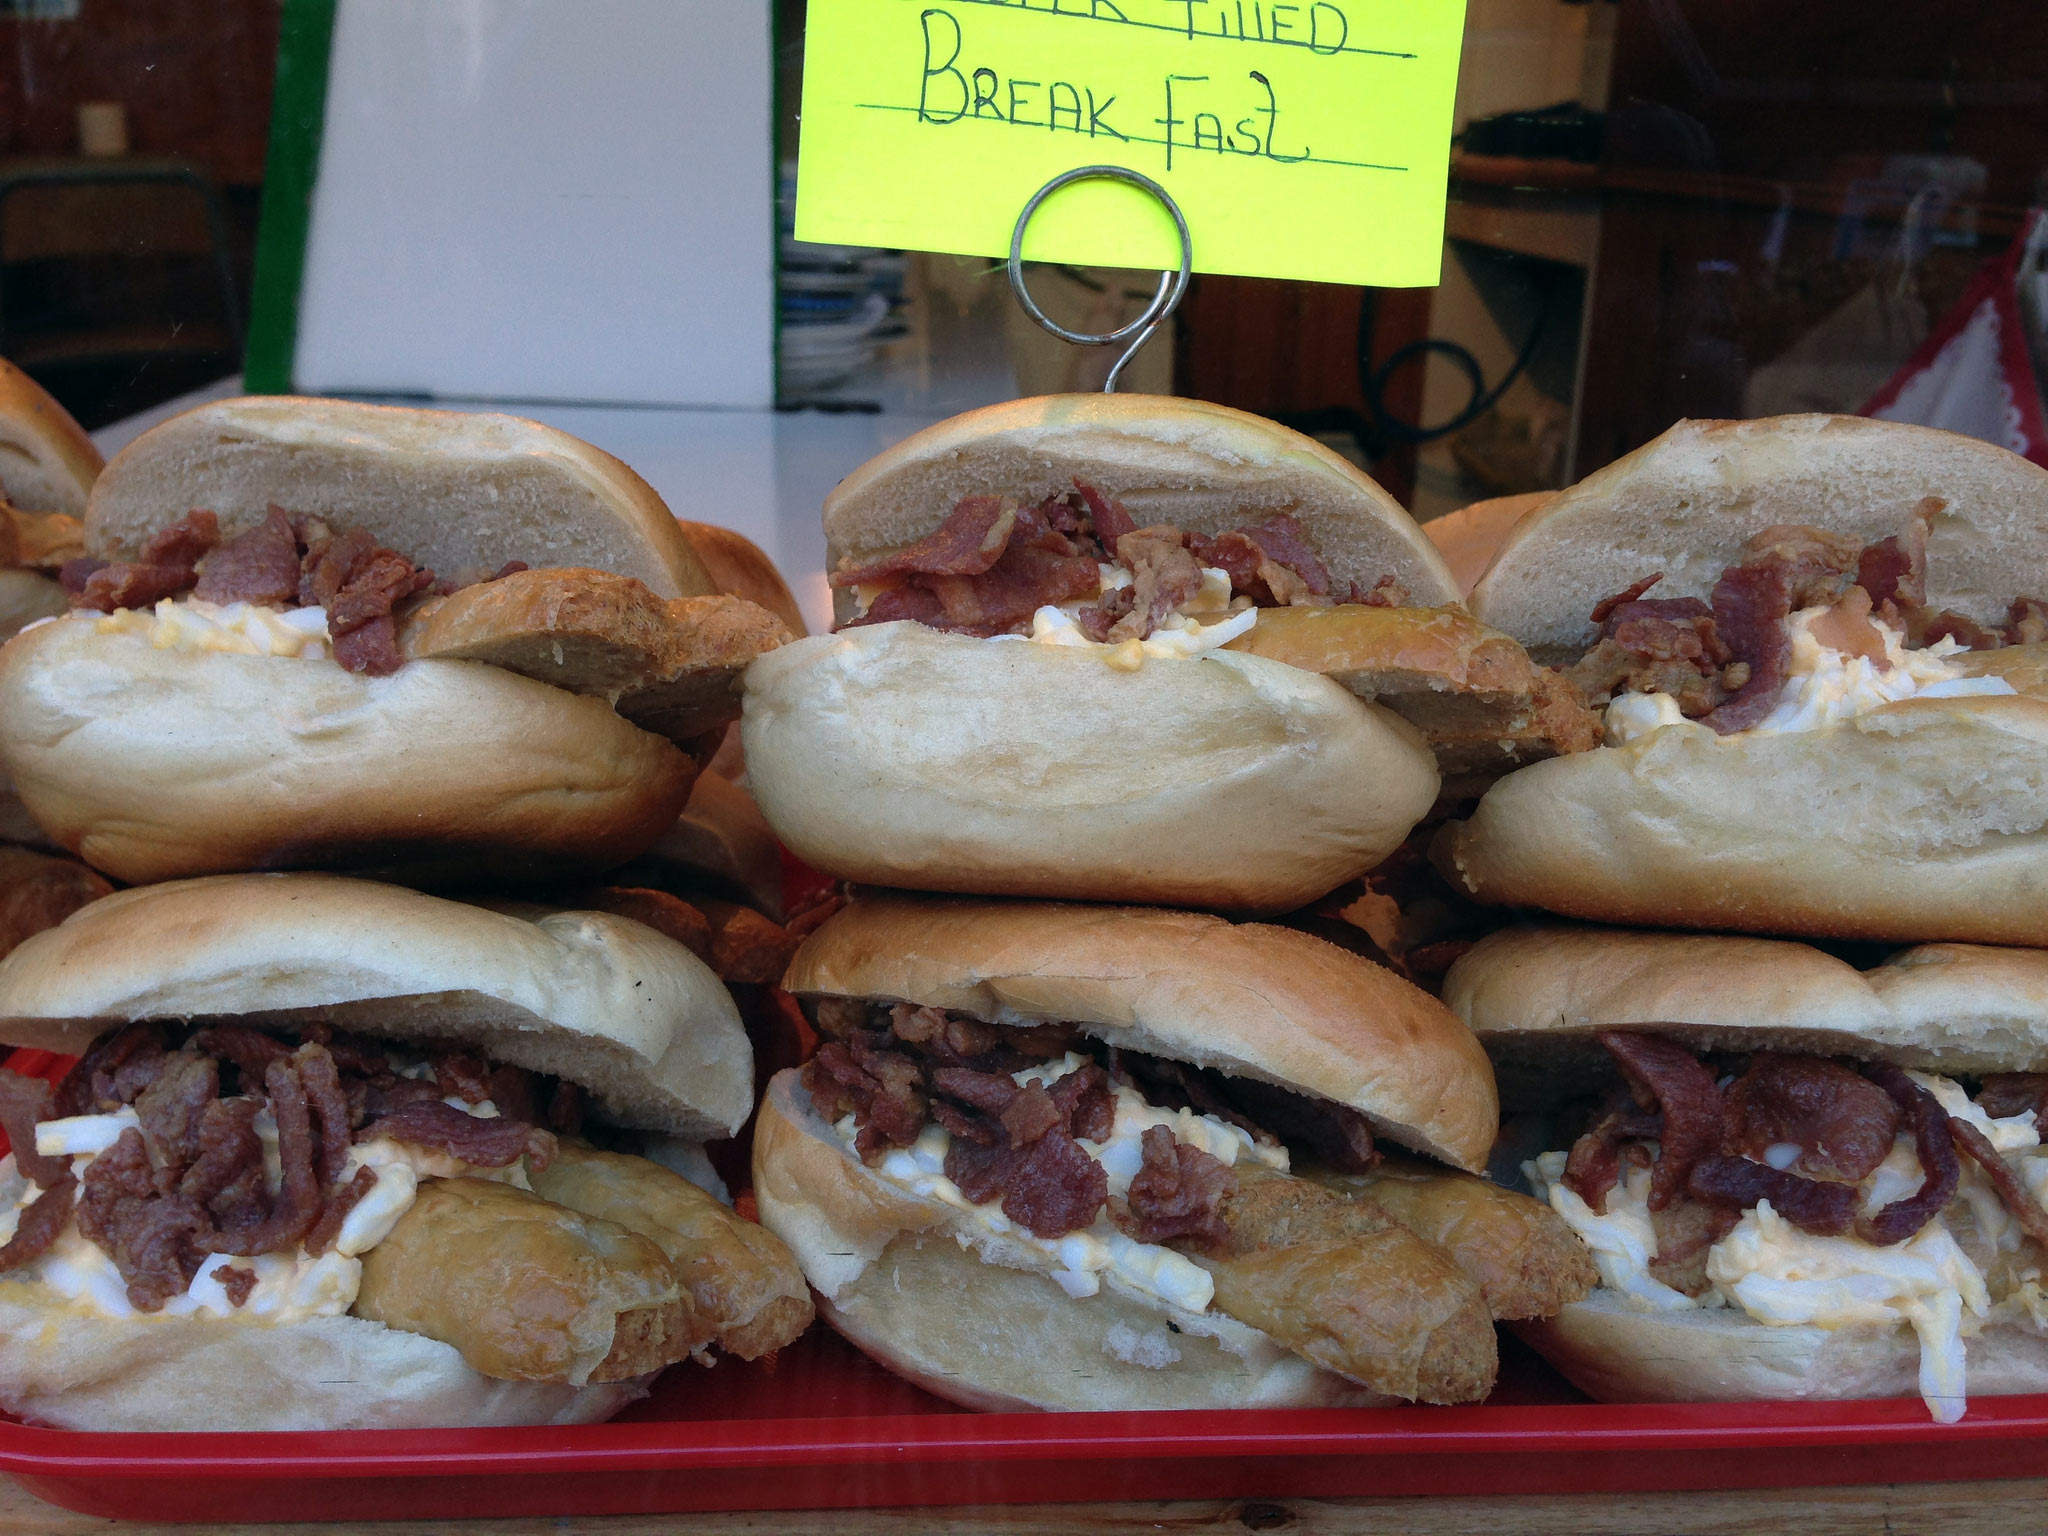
388,1109
1115,677
1782,1067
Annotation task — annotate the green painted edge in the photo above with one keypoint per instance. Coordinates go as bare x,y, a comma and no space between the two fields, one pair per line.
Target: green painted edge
298,110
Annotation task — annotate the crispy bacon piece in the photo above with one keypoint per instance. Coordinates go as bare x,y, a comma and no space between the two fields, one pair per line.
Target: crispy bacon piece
296,1206
1815,564
23,1102
481,1143
1339,1136
2013,1194
237,1282
2004,1094
1606,606
1177,1192
165,569
1826,1210
73,575
171,1109
1685,1230
1049,1188
157,1242
344,1199
41,1223
1894,570
1086,1104
1163,576
951,1038
249,1051
970,541
882,1089
1271,562
1940,1170
1663,1075
1843,1124
1751,603
2026,621
259,566
1593,1166
1106,515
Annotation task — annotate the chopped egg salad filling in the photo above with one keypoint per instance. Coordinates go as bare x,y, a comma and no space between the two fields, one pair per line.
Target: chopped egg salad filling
1079,1261
243,629
289,1287
1209,619
1969,1267
1825,686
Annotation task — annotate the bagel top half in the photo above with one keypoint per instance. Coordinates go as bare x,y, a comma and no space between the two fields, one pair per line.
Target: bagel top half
47,462
451,490
1536,994
1201,468
1248,1000
1686,502
626,1012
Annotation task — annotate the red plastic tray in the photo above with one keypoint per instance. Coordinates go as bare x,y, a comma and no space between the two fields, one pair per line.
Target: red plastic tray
822,1427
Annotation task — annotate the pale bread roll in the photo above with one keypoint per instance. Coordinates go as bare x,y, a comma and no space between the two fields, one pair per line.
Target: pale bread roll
161,764
1470,537
452,490
1721,1355
1686,503
1925,819
47,462
628,1013
1203,468
152,1373
26,596
722,837
898,755
980,1325
1249,1000
1536,994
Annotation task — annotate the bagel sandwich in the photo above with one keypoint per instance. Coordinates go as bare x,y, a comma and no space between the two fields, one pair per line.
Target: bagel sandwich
481,647
1124,647
1818,650
339,1154
1066,1157
47,467
1799,1180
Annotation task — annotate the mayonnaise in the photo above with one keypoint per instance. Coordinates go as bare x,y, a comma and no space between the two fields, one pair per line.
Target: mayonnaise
243,629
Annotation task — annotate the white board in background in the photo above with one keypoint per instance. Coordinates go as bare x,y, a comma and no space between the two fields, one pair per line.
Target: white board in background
545,200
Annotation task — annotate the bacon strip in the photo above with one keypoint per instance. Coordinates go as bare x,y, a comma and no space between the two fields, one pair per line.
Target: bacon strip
41,1223
1751,603
1843,1124
481,1143
2015,1196
1826,1210
1664,1075
23,1102
1177,1192
1941,1171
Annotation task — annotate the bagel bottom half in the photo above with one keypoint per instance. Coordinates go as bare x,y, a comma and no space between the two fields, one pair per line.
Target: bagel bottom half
137,1375
1615,1353
161,764
896,755
1922,820
972,1328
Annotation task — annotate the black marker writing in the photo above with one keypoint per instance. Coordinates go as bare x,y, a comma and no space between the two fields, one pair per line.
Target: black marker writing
1205,128
1272,111
1326,30
985,94
925,111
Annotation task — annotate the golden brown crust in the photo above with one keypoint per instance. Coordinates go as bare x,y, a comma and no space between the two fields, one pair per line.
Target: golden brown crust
1247,999
156,765
1343,1284
742,1280
1203,468
1484,708
897,755
1527,1262
672,666
39,540
47,462
1922,820
528,1290
738,567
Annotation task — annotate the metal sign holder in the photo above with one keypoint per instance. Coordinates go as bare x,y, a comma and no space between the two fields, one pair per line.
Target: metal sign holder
1173,285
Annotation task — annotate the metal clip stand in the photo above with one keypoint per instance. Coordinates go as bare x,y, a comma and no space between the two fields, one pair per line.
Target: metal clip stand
1172,285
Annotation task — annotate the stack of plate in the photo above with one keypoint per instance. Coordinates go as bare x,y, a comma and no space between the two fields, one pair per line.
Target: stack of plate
838,304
